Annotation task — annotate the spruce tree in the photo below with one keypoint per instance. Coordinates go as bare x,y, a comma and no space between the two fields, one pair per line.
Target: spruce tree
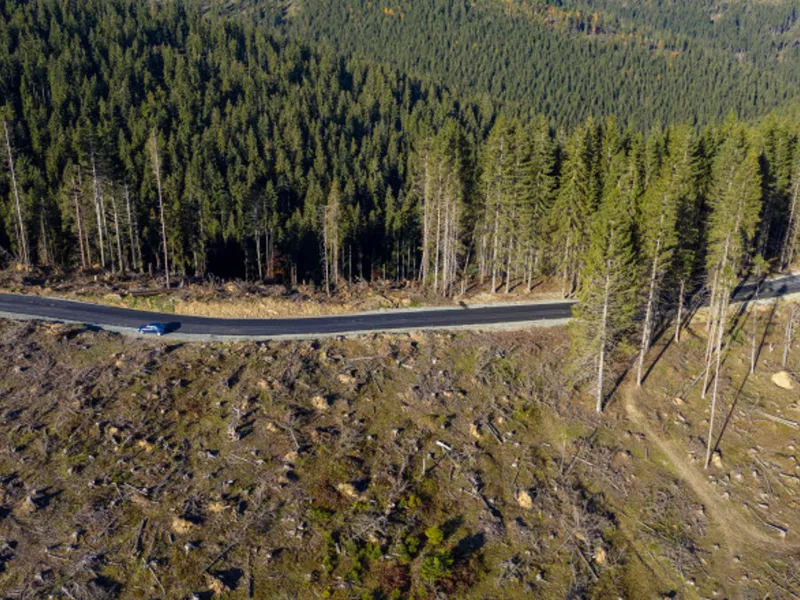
735,202
498,169
607,296
658,227
19,221
534,188
791,238
575,204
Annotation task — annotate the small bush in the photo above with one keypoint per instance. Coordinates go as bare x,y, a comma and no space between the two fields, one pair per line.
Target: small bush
408,548
436,566
319,514
435,535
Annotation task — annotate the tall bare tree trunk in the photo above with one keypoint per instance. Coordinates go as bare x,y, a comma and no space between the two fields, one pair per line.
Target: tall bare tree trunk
717,319
678,320
602,357
712,336
325,261
788,248
495,246
720,332
565,274
21,234
787,340
45,256
445,269
335,257
96,188
509,252
257,239
120,255
484,250
426,222
78,223
157,171
438,240
648,317
106,235
133,233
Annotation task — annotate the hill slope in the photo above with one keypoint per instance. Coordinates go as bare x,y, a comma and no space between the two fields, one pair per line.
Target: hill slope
648,63
383,467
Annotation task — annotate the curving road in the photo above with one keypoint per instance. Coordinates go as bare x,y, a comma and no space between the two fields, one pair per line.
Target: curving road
126,320
114,318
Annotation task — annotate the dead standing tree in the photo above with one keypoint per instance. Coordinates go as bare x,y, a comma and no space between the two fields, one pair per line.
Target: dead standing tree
157,173
787,340
22,238
735,201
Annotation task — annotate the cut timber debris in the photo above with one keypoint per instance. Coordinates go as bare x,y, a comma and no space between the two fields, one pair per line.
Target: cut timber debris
26,507
444,446
215,585
348,490
524,500
781,420
475,430
320,403
181,526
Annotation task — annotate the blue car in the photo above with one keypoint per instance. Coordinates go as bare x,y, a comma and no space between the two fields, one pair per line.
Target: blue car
153,328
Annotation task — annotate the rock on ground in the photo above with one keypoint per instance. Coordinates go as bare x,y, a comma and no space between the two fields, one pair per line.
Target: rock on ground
783,380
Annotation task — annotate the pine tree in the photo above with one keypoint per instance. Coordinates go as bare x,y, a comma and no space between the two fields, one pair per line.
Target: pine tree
659,226
332,236
498,170
735,202
441,187
791,238
535,185
22,236
607,296
156,163
575,204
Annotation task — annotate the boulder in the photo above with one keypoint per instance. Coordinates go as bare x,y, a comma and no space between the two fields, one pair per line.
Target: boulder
524,500
783,380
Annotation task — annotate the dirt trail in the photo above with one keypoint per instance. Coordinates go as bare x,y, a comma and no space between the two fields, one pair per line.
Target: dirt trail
735,526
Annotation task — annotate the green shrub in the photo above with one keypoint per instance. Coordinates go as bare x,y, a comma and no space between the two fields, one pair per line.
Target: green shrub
319,514
435,535
436,566
408,549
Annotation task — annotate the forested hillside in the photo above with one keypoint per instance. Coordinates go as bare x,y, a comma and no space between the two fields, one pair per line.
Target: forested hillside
252,133
128,125
649,63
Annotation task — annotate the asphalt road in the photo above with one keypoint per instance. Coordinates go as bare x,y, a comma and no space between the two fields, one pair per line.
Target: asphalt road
103,316
404,320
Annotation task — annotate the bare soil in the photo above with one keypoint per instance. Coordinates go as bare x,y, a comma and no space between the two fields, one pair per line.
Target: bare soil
416,466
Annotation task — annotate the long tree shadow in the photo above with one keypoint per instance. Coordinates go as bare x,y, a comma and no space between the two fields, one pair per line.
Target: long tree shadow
609,397
730,412
694,305
766,327
737,323
658,334
664,328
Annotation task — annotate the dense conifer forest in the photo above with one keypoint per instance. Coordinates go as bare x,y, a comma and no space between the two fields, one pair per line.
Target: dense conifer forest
168,138
648,63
